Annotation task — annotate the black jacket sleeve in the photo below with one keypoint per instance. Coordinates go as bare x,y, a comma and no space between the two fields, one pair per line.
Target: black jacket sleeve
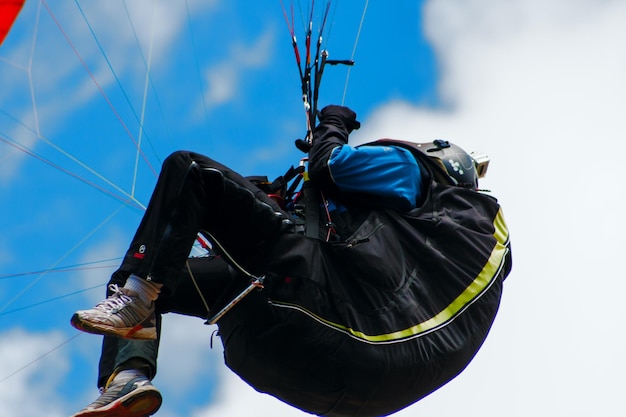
336,123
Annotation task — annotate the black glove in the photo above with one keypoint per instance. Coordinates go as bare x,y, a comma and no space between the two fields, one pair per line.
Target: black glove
303,145
339,116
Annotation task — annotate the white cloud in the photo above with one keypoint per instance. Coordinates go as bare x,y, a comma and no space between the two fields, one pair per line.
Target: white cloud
224,79
28,388
185,354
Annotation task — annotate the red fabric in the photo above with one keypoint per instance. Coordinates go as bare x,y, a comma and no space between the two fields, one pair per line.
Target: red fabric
8,12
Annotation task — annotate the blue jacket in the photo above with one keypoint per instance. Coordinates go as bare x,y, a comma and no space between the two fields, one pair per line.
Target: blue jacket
388,173
388,176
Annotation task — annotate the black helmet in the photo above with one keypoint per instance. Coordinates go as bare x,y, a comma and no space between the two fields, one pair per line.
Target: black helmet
459,165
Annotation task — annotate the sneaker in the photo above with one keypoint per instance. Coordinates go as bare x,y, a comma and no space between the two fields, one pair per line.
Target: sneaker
128,393
123,314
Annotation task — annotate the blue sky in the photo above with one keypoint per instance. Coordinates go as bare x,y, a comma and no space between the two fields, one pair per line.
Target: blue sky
537,85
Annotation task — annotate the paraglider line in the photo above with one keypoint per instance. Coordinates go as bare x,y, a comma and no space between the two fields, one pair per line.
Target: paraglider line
196,60
143,104
39,358
4,313
153,88
71,268
98,86
76,246
128,201
311,74
114,73
356,42
195,283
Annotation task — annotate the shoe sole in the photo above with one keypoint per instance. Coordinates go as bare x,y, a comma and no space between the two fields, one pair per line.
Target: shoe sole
142,402
136,333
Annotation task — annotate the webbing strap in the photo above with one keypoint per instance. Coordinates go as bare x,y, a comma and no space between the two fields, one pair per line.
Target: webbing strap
311,210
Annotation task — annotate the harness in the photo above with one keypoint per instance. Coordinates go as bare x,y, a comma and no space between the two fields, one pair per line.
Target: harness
304,204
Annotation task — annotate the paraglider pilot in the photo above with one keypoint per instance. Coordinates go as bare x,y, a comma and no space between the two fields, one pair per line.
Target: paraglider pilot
381,278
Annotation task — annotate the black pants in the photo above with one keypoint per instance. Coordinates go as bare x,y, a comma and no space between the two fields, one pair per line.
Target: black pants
193,193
